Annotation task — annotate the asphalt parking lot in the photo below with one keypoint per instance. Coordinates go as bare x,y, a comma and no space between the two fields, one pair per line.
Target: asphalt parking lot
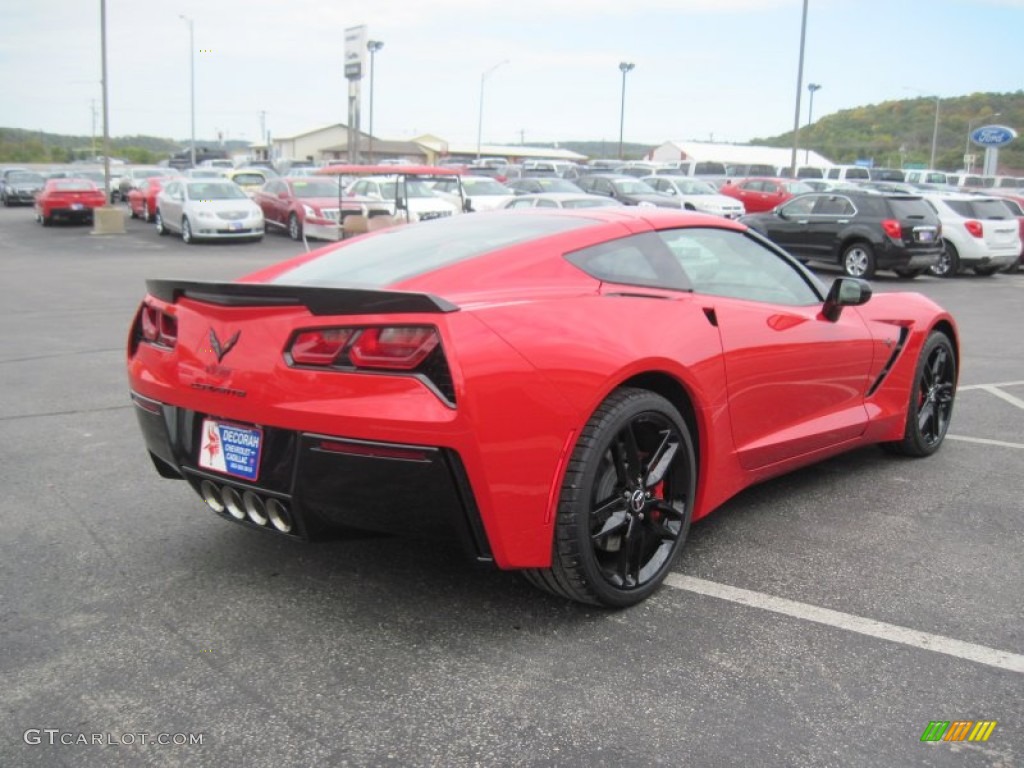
128,612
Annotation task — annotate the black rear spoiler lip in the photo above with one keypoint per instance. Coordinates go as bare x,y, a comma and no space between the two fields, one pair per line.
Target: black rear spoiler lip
318,300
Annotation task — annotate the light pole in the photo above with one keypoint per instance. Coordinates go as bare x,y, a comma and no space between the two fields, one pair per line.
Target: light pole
799,88
480,119
935,134
192,80
372,46
811,88
967,144
624,67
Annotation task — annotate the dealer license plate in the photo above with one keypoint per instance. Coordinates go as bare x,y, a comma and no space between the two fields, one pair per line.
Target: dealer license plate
77,206
236,225
925,235
230,449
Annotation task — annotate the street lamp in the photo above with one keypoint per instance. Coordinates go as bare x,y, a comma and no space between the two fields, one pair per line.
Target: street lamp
372,46
192,79
624,67
812,88
935,126
967,144
480,119
799,88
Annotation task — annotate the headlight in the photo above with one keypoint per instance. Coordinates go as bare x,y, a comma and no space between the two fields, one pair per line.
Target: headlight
309,210
205,215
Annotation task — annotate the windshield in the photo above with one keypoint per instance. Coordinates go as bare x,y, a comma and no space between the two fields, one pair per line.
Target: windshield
250,179
413,188
315,188
213,191
695,188
481,187
632,187
74,186
25,178
590,202
557,185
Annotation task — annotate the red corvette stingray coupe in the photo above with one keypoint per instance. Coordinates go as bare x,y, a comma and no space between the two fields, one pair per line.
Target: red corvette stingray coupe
74,199
563,392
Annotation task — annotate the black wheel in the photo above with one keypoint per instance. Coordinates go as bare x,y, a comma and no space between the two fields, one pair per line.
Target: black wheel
625,504
985,271
931,399
859,260
160,228
909,274
294,227
146,214
948,263
1013,267
186,231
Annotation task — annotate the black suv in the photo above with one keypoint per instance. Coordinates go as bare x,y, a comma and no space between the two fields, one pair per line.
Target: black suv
626,190
860,230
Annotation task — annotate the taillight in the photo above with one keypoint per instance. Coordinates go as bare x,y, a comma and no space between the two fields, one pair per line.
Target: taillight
974,228
412,349
402,348
893,229
157,327
319,347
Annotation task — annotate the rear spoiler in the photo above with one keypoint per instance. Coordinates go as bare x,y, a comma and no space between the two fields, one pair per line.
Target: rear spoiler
318,300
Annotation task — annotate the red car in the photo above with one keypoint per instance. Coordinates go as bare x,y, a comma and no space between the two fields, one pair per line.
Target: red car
763,194
309,205
73,199
562,392
142,199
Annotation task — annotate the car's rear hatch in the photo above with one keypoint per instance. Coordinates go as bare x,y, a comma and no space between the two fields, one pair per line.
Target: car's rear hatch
919,225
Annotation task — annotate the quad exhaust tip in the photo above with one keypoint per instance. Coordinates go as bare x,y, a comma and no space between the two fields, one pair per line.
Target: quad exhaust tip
247,505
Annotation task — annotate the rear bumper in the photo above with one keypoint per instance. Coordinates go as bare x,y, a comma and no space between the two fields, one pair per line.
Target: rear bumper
328,483
891,256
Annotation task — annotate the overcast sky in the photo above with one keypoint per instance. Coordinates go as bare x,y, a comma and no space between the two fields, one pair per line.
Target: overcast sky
721,69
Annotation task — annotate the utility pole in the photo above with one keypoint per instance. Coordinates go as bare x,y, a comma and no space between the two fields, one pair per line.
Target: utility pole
263,132
799,88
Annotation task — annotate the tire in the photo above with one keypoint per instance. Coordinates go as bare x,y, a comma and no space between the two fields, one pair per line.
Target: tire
625,504
1013,267
931,399
859,260
294,227
909,274
186,232
948,263
160,228
985,271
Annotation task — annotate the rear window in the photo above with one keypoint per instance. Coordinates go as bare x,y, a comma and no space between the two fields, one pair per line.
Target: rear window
910,208
989,209
709,169
402,253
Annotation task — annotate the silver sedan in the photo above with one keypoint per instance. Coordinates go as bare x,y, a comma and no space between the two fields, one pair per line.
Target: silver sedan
208,208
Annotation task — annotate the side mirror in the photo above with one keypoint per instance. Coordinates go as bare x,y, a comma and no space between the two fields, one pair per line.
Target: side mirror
845,292
781,213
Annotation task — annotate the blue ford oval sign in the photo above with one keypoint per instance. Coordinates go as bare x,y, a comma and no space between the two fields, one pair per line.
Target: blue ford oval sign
993,136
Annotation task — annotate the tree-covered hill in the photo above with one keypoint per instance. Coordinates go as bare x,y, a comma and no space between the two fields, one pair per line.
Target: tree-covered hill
896,132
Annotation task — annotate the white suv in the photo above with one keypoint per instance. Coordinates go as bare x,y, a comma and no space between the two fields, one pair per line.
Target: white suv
979,232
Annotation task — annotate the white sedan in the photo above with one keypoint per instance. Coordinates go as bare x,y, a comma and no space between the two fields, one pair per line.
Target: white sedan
208,208
697,195
483,192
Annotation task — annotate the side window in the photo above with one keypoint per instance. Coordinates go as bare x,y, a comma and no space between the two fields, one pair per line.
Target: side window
833,205
521,203
833,173
723,262
801,206
604,186
640,259
751,186
857,173
545,203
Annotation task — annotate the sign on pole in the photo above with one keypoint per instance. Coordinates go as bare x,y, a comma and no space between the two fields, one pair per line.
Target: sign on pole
355,52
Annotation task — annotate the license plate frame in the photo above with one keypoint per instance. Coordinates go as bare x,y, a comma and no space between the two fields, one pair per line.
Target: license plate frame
230,449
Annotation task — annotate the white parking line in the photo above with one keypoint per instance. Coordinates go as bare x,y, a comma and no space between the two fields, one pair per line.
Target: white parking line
984,441
986,386
878,629
994,390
